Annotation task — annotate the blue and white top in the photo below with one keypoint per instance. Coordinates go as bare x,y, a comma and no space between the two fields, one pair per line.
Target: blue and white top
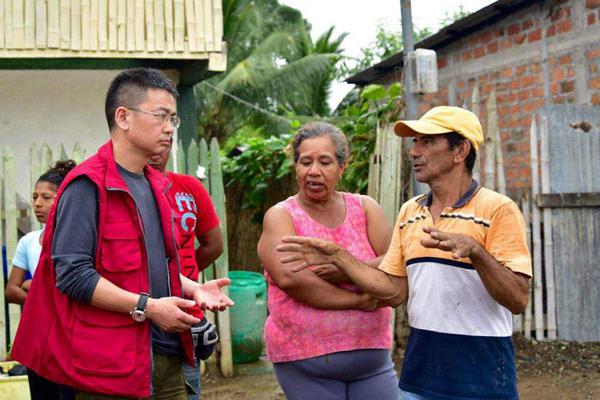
460,345
28,252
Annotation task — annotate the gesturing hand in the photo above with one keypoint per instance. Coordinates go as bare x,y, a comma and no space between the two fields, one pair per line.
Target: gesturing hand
208,295
331,273
307,251
461,246
167,313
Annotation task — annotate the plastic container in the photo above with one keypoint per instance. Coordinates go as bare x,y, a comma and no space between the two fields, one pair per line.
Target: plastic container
424,74
13,387
249,291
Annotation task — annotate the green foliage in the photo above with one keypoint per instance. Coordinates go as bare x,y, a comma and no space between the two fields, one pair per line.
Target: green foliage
450,18
274,69
261,165
265,162
376,105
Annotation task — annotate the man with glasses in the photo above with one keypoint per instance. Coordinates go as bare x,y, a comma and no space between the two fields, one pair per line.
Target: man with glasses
163,116
106,313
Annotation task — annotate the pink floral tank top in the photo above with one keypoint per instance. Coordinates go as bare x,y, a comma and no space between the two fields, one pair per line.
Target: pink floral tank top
294,331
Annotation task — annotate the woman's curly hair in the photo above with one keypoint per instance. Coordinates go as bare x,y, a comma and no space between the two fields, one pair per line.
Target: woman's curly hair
57,173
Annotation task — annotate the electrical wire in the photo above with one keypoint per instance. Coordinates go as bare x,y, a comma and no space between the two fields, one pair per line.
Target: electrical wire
246,103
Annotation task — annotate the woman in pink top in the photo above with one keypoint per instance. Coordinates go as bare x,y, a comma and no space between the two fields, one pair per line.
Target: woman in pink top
326,339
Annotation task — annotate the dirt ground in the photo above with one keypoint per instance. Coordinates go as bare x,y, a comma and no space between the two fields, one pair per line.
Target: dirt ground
546,371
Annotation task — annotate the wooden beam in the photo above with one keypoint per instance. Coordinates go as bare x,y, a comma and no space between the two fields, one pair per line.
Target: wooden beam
179,24
190,18
131,25
11,215
75,25
199,10
209,34
103,24
65,24
122,25
2,28
217,62
86,10
8,24
94,25
169,24
159,25
18,24
29,24
81,54
112,24
149,25
568,200
538,294
194,71
88,63
218,25
221,263
53,31
139,25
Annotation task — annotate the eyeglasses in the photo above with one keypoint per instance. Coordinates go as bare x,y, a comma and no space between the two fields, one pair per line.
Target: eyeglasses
173,119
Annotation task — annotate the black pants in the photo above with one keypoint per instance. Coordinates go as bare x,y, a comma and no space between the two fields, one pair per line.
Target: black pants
42,389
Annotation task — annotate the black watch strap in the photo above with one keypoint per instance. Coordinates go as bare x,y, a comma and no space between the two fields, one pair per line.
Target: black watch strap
143,300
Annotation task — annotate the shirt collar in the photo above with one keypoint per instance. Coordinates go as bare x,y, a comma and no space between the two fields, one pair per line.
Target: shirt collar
425,200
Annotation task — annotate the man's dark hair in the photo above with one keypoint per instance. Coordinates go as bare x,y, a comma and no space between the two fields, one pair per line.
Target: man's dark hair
129,88
454,139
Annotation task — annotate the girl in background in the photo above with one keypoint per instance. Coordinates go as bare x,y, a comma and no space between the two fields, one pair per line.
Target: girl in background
27,256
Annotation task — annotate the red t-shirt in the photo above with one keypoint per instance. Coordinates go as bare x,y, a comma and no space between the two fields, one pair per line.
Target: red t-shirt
194,215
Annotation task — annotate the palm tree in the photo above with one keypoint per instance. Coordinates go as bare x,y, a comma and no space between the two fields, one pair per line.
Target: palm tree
274,70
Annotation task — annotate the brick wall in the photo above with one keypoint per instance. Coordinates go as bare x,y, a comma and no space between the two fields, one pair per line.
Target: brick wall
505,57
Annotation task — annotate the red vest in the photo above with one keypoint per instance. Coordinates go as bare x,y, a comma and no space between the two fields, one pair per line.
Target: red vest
86,347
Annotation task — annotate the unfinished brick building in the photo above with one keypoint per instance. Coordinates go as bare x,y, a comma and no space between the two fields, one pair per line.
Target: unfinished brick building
500,49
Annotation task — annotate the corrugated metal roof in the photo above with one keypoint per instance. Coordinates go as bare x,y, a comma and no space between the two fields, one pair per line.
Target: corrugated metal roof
495,11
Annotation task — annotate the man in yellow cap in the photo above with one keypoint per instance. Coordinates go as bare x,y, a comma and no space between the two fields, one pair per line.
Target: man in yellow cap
458,255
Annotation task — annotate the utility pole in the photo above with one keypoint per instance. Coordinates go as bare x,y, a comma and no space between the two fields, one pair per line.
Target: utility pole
408,47
408,43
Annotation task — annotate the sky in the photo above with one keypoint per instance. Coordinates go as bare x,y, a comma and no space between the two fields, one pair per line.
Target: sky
359,18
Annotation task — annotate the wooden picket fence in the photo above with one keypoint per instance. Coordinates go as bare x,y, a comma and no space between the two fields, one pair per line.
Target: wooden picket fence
536,319
386,187
199,160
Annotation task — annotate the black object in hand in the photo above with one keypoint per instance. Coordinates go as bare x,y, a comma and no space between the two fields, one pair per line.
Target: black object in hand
205,336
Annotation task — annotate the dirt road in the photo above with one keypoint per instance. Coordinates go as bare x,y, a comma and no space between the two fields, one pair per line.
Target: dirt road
571,386
546,371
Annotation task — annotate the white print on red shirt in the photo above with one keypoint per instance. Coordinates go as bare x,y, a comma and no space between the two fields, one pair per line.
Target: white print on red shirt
185,202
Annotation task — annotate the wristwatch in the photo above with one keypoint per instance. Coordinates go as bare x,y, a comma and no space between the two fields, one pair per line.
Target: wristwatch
139,312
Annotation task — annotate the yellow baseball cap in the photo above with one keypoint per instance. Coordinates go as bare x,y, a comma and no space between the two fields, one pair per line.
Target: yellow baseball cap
444,119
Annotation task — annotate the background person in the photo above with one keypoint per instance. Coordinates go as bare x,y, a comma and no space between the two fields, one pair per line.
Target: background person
195,218
26,260
29,246
326,338
459,253
107,316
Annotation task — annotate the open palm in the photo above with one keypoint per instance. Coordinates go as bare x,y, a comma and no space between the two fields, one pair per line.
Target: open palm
209,295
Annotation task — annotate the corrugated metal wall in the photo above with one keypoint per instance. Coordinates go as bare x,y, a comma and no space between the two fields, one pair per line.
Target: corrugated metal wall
575,168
